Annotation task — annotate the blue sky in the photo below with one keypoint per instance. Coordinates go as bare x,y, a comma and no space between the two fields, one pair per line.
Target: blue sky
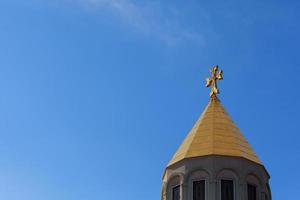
96,95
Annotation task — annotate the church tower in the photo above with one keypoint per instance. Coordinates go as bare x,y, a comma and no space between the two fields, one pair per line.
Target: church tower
215,161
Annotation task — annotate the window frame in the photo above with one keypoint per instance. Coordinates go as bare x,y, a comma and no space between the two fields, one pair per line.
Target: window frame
199,174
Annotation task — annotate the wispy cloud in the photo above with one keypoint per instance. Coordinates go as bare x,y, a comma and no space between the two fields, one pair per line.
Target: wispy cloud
150,18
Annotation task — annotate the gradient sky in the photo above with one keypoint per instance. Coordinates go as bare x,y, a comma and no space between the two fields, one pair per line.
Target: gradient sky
96,95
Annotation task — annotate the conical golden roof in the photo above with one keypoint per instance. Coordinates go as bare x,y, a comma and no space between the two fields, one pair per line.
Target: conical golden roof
214,134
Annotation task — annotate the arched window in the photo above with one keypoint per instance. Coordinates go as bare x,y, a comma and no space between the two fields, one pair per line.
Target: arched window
227,180
198,188
174,187
253,186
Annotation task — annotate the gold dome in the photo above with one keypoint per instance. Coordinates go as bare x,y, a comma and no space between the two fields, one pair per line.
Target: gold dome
214,134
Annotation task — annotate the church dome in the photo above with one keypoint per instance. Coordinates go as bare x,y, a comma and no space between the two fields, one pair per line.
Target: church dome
215,134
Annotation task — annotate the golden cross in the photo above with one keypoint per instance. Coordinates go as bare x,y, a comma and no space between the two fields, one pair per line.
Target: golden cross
212,82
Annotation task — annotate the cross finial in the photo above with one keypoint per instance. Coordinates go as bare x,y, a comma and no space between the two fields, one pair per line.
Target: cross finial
216,75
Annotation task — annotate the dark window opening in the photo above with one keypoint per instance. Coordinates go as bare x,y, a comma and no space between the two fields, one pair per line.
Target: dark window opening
227,192
176,193
199,190
251,192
